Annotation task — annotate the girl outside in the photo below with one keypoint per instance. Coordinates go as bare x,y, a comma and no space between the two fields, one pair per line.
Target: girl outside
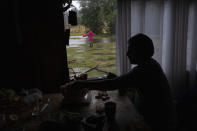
90,37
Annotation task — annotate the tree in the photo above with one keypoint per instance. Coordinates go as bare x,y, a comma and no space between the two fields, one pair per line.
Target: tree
98,15
108,15
90,18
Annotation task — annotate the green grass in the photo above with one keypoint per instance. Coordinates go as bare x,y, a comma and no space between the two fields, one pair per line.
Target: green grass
104,36
75,38
84,57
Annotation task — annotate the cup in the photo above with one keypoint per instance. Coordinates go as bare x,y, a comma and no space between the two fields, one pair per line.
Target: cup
110,110
99,108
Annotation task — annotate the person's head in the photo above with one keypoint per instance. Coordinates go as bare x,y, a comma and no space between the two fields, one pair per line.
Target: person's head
140,48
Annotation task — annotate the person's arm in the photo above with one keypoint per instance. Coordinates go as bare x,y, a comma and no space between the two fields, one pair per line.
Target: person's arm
85,35
123,81
103,85
93,34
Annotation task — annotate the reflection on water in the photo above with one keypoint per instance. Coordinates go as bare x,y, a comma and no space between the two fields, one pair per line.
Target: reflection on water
75,41
104,40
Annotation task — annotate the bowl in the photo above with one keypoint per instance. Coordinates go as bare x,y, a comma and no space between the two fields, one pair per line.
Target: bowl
93,123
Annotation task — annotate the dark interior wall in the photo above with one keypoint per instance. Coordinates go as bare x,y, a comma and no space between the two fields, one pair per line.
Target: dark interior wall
34,53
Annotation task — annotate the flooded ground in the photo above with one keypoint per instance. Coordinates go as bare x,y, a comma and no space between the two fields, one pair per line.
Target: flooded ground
75,41
81,57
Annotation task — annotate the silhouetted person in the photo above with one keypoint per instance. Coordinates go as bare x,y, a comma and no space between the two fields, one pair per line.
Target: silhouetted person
147,77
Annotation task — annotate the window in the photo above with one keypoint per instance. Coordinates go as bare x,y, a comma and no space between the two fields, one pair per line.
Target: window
99,59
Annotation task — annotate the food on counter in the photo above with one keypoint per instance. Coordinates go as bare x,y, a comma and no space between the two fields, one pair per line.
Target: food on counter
13,117
102,95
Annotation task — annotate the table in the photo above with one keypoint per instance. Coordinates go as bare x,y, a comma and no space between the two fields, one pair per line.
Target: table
25,119
126,114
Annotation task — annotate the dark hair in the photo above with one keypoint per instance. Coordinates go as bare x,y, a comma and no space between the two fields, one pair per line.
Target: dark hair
142,45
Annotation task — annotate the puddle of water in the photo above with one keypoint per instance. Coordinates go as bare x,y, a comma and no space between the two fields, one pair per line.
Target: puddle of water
75,41
77,37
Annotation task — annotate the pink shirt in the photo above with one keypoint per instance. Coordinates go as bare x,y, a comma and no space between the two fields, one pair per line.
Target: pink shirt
90,35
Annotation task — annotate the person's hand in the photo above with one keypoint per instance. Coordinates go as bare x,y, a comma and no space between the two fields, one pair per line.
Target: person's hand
111,75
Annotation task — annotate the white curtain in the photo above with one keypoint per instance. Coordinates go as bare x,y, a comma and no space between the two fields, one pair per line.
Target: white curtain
122,35
192,44
172,25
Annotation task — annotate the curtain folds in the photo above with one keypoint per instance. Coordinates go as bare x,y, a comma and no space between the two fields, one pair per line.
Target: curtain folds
192,45
168,39
122,35
171,24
